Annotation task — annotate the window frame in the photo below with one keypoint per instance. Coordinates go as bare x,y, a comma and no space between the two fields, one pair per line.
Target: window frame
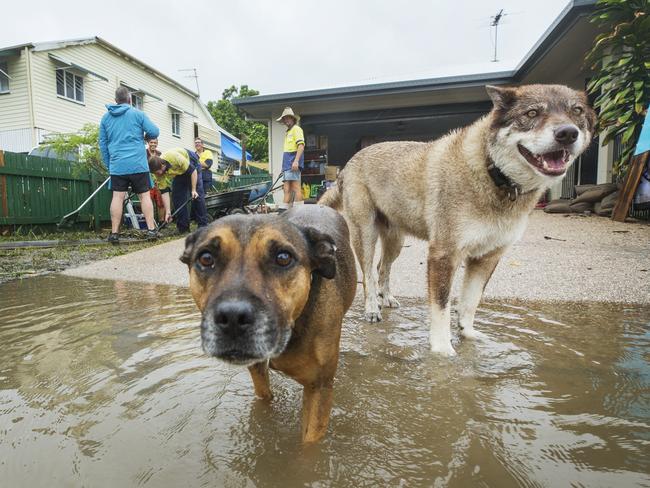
70,82
176,122
4,66
137,96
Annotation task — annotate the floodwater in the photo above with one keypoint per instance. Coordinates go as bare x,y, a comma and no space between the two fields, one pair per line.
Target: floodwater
103,384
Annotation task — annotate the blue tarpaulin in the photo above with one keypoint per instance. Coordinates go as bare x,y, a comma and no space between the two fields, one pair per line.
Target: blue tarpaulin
232,149
644,138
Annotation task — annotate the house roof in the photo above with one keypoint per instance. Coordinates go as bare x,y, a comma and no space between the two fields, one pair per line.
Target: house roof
571,13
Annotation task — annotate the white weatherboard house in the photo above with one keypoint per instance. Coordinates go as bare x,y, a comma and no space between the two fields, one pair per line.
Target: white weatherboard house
57,87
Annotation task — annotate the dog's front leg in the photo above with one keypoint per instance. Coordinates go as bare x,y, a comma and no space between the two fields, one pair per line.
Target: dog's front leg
477,274
260,375
316,408
441,267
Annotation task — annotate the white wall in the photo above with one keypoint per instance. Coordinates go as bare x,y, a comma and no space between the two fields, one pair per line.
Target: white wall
14,106
277,132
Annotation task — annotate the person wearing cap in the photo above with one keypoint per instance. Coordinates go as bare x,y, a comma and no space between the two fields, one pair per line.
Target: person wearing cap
177,171
293,157
207,160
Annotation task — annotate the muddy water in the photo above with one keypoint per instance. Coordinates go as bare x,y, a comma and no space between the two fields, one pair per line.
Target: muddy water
103,384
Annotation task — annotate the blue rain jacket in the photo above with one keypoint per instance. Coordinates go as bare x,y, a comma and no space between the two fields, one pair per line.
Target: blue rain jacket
121,139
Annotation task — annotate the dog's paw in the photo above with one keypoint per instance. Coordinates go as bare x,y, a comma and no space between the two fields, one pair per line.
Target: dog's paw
443,348
472,334
373,316
388,301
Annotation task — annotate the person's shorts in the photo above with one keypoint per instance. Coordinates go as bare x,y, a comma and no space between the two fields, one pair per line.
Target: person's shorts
291,176
139,182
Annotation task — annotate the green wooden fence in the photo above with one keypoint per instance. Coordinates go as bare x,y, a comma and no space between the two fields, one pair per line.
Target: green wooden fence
40,191
35,190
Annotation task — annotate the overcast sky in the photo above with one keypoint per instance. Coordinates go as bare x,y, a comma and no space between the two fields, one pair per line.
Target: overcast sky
282,46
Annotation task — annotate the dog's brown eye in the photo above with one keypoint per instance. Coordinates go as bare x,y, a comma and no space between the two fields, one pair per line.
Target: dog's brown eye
206,259
532,113
578,110
283,259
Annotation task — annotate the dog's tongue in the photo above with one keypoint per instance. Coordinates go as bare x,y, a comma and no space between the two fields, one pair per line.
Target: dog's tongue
554,160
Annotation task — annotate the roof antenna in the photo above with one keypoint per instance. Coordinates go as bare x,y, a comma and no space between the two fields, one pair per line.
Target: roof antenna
196,78
495,23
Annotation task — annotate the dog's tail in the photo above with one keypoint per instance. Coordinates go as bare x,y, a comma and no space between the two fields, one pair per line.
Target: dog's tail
332,197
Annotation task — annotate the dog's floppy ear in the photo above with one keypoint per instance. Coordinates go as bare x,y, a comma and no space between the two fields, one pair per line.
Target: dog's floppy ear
502,97
190,240
322,252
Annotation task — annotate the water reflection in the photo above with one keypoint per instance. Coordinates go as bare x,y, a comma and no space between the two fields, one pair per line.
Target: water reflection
104,384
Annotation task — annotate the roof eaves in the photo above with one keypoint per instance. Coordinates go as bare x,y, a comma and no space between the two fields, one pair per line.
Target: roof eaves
381,88
17,47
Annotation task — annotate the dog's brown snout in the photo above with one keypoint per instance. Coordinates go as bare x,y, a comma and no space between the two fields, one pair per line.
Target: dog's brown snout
234,315
566,134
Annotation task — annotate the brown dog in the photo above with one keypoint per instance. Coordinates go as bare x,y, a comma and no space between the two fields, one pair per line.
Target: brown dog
273,291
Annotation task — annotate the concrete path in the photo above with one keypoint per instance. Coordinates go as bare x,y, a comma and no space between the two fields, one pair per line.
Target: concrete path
560,258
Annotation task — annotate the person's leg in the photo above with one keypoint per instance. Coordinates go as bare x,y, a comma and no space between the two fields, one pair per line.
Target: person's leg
147,209
116,210
286,188
198,205
295,186
181,191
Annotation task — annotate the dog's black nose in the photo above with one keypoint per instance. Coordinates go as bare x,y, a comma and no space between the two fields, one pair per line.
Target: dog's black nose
234,315
566,134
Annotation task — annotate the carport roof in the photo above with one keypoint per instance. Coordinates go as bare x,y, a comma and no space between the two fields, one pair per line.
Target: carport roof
260,106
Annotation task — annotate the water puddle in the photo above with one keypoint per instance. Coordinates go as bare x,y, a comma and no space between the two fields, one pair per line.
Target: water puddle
104,384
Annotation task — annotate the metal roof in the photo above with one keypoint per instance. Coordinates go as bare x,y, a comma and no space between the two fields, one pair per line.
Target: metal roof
567,17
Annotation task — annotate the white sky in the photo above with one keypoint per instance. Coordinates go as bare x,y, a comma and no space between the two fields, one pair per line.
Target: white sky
282,46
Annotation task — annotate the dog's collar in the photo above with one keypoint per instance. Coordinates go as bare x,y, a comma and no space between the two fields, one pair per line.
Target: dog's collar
512,189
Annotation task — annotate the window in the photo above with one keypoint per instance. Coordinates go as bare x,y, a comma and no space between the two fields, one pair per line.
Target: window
176,124
137,100
69,85
4,77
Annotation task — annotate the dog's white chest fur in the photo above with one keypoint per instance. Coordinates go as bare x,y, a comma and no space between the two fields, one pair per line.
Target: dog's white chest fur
479,237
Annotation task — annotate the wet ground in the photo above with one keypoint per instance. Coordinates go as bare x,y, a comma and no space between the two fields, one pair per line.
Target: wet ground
103,384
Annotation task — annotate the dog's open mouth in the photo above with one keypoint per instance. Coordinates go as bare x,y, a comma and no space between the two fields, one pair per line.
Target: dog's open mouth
551,163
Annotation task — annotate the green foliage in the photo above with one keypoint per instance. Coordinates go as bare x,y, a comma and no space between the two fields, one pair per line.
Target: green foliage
85,144
232,119
621,60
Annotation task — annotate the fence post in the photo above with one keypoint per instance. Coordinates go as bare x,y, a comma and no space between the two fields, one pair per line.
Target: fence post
96,217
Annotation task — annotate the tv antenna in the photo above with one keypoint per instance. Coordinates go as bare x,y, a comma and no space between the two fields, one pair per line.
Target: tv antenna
496,19
194,75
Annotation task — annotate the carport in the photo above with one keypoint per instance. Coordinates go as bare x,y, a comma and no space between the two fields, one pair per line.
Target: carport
355,116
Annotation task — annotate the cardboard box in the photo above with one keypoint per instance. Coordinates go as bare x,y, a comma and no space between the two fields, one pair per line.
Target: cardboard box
331,172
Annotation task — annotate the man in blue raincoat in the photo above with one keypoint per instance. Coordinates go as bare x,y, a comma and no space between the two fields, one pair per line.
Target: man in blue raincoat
121,134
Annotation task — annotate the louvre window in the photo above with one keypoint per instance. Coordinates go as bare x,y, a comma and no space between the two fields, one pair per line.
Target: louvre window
4,77
69,85
176,124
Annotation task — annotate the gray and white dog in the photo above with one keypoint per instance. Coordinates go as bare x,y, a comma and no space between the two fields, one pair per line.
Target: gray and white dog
468,194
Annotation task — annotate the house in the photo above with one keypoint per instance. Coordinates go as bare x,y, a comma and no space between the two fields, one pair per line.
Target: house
57,87
339,121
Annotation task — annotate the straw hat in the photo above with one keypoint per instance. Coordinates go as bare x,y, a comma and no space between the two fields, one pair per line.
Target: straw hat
288,111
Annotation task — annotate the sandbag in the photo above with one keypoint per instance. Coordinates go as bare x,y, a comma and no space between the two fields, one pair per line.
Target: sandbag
596,193
609,201
581,207
580,189
558,206
603,212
